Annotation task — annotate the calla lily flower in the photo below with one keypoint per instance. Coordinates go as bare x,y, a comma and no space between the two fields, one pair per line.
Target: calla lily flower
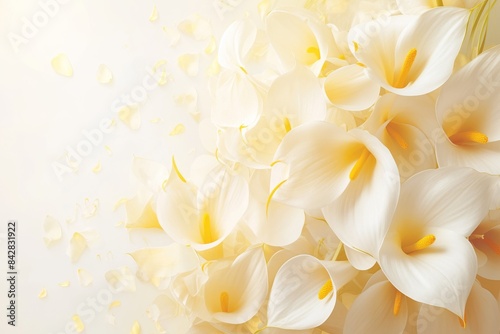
351,175
410,55
202,218
379,309
293,99
298,37
303,294
468,112
404,124
234,295
425,254
481,316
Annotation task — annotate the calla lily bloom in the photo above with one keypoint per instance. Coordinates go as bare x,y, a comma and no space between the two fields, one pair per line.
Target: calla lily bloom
469,114
481,316
425,254
486,242
351,175
202,218
234,295
303,294
410,55
404,124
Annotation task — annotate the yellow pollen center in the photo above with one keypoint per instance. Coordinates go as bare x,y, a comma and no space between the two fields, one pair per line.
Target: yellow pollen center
405,69
359,164
420,244
206,229
469,137
397,303
492,244
314,50
398,138
286,123
224,302
325,289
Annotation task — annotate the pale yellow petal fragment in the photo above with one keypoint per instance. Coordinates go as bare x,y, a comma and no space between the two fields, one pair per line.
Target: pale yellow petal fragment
130,116
62,65
155,120
79,327
120,202
325,289
84,277
212,45
52,231
64,284
172,35
164,77
214,68
178,129
136,328
196,27
108,150
154,14
89,208
42,294
420,244
114,303
189,63
104,74
97,168
121,279
77,245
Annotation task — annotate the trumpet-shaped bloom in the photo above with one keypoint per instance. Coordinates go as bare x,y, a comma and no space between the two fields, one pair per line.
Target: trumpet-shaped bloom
298,37
234,295
202,218
410,55
293,99
468,112
404,124
426,255
481,316
379,309
349,174
304,292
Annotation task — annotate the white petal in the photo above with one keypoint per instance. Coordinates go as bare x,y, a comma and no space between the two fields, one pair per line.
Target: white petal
294,302
237,100
440,275
350,88
77,245
362,214
359,260
235,44
158,264
245,283
453,198
52,231
437,36
372,311
315,160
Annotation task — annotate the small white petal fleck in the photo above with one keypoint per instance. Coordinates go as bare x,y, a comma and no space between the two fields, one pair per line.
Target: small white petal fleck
189,63
77,246
62,65
104,74
85,277
52,231
130,116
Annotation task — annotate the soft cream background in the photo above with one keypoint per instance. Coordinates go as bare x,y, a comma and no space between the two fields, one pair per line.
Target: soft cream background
42,113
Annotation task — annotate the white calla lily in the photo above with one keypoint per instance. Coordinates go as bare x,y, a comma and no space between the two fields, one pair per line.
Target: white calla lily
202,218
486,242
304,291
234,295
404,124
426,255
410,55
468,112
481,316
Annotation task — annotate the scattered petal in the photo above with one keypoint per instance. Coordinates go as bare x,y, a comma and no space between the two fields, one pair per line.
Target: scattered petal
104,74
52,231
154,15
62,65
97,168
85,277
64,284
121,279
196,27
136,328
42,294
77,245
78,323
114,304
189,63
178,129
130,116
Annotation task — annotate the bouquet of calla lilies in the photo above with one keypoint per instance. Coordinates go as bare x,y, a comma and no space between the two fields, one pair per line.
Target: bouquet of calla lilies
355,183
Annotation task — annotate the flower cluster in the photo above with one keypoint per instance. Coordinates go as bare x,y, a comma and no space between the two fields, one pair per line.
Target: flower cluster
355,187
